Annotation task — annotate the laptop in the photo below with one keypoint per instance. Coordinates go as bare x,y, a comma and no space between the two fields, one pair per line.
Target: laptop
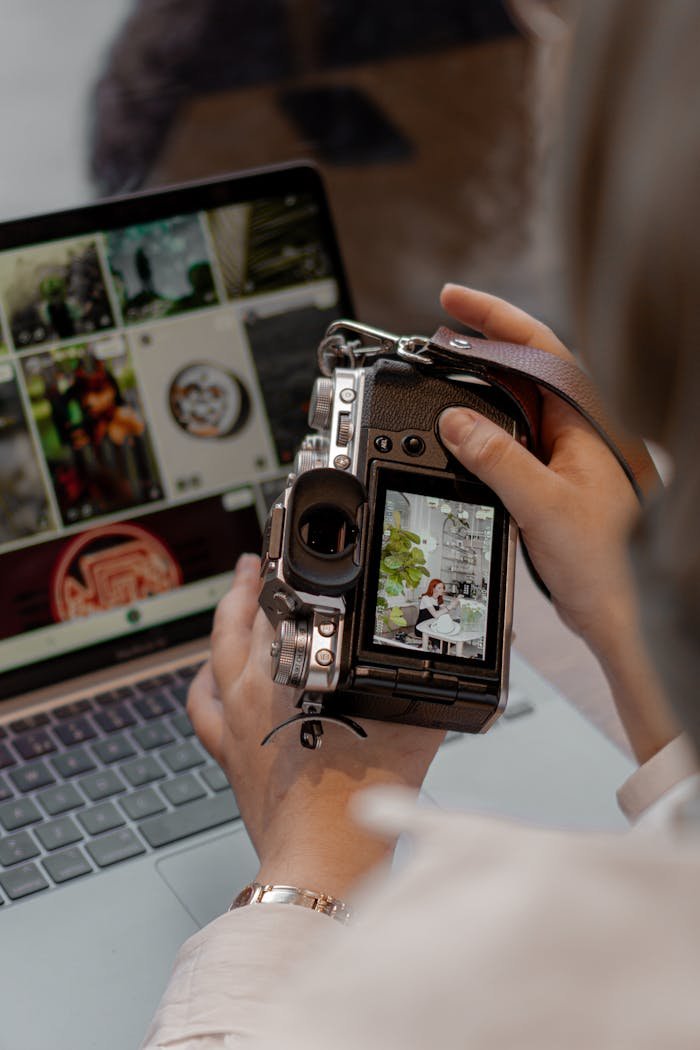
156,356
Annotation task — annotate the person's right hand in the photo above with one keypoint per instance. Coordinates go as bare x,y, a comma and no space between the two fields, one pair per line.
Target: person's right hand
575,508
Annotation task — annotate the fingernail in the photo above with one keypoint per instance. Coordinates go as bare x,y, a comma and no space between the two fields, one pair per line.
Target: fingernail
247,563
456,424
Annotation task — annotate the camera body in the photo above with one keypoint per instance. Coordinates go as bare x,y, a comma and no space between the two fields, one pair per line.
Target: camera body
388,569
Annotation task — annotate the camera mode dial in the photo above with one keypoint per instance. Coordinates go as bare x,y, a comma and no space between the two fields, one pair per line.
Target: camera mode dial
290,653
321,404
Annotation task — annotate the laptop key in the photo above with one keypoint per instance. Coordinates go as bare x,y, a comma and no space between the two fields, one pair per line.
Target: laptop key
182,756
113,696
30,777
6,759
60,799
20,882
155,734
75,731
5,790
73,762
118,845
18,813
114,718
101,785
114,748
143,803
183,725
182,789
23,725
69,864
158,680
215,778
180,692
142,771
71,710
154,705
35,743
189,819
58,833
101,818
17,848
187,673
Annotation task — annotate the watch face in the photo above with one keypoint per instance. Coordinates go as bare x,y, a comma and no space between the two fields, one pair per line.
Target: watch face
208,401
244,897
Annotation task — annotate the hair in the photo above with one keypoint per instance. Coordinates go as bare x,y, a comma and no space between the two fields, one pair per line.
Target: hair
431,588
631,177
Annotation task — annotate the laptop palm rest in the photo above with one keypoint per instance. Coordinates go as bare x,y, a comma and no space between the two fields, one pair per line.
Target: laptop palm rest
78,960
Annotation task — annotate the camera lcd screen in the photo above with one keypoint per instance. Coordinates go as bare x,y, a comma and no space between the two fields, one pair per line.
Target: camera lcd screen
436,564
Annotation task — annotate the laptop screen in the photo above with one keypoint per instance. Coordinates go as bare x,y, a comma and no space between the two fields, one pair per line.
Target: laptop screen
157,357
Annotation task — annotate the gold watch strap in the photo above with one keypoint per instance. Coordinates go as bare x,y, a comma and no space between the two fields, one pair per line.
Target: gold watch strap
257,893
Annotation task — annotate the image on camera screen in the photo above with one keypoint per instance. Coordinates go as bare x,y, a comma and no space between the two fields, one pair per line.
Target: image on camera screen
433,583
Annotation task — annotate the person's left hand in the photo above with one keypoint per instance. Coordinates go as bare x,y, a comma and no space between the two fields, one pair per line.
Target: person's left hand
294,801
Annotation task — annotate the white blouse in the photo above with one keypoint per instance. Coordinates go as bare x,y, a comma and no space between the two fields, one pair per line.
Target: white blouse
493,936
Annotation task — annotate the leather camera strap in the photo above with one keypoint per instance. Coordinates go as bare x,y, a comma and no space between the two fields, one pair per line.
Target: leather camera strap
507,365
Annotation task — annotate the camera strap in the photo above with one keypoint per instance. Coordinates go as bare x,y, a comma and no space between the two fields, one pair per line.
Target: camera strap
515,369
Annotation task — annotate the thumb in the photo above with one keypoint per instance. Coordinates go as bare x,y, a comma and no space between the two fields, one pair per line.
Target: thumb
523,484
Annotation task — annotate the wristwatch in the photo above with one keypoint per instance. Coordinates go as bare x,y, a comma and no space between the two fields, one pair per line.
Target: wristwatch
256,893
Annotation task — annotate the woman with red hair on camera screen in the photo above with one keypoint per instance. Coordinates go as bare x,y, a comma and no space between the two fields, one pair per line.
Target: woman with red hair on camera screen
496,936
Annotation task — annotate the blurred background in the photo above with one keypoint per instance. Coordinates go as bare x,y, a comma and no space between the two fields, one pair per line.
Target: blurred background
426,119
431,120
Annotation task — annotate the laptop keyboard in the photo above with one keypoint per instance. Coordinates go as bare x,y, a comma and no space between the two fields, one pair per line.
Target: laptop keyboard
101,780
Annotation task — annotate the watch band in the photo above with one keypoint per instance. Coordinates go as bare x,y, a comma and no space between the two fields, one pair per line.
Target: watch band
257,893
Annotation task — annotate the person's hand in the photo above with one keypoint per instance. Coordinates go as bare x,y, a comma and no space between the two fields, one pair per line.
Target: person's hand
294,802
575,510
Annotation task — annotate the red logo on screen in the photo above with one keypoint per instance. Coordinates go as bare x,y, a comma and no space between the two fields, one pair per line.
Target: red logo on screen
108,567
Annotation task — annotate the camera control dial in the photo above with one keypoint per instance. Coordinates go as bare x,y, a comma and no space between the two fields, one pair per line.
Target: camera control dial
312,454
321,404
290,652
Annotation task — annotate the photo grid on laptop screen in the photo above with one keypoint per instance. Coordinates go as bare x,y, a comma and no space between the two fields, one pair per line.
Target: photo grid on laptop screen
153,389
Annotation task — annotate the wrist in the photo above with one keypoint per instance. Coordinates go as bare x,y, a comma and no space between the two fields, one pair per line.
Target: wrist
329,859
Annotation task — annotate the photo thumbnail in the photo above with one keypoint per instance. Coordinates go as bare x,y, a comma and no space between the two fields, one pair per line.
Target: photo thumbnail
205,403
54,292
284,349
432,589
120,564
24,505
269,244
93,430
161,268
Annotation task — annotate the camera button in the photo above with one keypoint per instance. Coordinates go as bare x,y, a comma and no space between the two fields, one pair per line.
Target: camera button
413,445
327,629
383,443
324,657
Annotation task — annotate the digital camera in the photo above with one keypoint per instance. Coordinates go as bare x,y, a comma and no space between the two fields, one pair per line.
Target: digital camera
387,568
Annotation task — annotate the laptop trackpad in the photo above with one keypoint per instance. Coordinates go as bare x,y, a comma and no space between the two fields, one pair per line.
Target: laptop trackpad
207,876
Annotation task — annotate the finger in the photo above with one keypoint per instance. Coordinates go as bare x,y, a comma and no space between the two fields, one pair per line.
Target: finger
206,712
519,479
500,320
233,620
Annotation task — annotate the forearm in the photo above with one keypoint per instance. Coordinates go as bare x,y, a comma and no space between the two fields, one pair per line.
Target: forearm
636,689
